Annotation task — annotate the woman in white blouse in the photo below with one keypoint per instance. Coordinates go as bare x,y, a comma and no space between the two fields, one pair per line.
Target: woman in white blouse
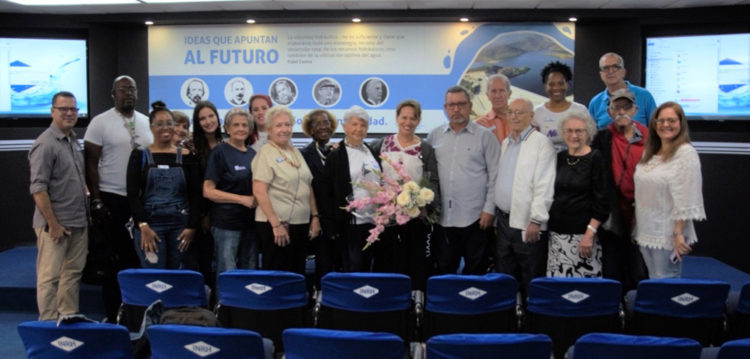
556,77
668,193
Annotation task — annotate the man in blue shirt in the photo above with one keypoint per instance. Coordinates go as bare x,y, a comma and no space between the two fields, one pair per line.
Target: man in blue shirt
612,71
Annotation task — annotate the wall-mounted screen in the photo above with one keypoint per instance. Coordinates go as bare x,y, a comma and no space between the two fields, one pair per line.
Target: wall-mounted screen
335,66
32,70
709,75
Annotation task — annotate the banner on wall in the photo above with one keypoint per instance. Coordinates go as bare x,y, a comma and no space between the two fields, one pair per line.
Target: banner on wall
335,66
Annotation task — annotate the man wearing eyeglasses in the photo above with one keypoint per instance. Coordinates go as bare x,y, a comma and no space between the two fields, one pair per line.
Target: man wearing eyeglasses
612,71
621,144
58,187
467,156
523,196
109,139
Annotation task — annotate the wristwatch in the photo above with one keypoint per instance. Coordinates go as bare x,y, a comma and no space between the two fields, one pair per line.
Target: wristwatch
97,204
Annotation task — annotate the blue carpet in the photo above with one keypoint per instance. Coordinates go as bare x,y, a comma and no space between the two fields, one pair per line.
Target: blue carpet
697,267
11,346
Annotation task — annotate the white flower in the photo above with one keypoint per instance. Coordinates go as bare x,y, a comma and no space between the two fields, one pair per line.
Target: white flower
411,186
426,196
413,212
403,199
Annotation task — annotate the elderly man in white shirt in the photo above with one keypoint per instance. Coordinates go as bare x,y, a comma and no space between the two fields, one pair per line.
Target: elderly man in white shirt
523,195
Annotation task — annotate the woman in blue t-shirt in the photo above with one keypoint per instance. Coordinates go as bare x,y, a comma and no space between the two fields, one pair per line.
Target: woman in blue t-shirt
228,184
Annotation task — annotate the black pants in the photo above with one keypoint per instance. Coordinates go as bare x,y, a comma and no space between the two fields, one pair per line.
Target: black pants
290,257
524,261
456,242
405,250
123,249
328,255
621,260
200,255
354,239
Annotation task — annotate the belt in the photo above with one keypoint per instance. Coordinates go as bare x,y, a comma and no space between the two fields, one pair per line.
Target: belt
500,212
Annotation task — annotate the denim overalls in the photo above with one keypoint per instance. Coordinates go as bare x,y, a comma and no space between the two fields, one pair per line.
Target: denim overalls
166,206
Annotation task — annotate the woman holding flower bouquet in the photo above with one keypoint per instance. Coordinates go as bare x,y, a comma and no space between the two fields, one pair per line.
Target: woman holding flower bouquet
411,160
346,166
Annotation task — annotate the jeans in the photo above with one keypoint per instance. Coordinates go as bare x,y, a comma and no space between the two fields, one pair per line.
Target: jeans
227,247
659,264
167,221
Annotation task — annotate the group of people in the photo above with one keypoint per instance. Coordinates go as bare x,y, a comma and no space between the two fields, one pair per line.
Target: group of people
529,192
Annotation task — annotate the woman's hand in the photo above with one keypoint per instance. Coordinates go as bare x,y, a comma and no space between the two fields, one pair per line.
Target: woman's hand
249,202
681,247
586,245
280,235
314,228
185,238
148,239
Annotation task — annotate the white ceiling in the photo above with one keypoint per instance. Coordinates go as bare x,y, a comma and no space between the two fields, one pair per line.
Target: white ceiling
269,5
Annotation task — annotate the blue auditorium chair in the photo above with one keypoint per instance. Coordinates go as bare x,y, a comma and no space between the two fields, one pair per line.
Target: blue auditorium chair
621,346
376,302
690,308
470,304
187,341
47,340
308,343
566,308
489,346
738,313
263,301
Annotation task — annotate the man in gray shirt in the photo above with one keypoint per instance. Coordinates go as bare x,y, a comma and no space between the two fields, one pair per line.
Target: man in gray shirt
60,218
467,156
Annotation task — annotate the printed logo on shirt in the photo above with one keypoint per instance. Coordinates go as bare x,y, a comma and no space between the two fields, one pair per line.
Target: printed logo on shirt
280,159
240,168
163,167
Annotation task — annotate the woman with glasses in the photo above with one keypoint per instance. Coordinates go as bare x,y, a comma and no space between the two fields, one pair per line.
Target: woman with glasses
556,77
668,195
580,204
163,186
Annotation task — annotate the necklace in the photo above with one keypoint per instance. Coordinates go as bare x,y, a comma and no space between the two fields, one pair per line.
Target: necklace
287,159
573,162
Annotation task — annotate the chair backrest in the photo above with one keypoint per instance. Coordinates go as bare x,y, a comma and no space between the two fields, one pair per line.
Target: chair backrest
366,292
341,344
574,297
470,294
175,288
620,346
47,340
735,349
743,305
187,341
683,298
480,346
262,290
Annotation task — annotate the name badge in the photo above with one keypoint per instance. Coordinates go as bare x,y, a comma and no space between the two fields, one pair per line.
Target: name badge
239,168
280,159
163,167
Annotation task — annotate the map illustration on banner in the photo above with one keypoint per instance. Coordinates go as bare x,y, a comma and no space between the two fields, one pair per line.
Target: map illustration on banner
335,66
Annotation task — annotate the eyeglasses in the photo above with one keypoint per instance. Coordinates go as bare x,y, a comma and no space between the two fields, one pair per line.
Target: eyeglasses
669,120
158,124
516,112
457,104
130,89
577,131
618,108
611,68
66,109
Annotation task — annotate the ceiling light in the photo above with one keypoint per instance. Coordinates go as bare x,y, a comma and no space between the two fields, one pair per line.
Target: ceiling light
573,19
73,2
464,19
250,21
356,19
148,22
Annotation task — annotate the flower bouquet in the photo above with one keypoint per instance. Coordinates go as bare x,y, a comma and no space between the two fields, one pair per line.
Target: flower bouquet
390,201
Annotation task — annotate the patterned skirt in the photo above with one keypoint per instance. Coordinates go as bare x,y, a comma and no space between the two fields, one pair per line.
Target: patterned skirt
563,259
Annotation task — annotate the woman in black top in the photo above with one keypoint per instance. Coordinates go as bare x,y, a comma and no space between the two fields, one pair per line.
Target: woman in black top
163,184
580,204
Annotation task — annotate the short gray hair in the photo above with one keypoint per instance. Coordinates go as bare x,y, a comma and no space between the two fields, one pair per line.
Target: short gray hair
581,115
277,111
238,111
620,61
358,112
457,89
500,77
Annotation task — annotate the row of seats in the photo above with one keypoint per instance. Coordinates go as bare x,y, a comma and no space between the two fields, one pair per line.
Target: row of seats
45,340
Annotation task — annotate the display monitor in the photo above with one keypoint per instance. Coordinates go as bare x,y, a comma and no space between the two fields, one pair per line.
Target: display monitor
709,75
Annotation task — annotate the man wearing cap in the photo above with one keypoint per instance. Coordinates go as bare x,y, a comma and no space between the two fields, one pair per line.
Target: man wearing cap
612,71
498,92
621,143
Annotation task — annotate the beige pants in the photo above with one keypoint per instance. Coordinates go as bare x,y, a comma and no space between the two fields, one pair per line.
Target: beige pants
58,272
